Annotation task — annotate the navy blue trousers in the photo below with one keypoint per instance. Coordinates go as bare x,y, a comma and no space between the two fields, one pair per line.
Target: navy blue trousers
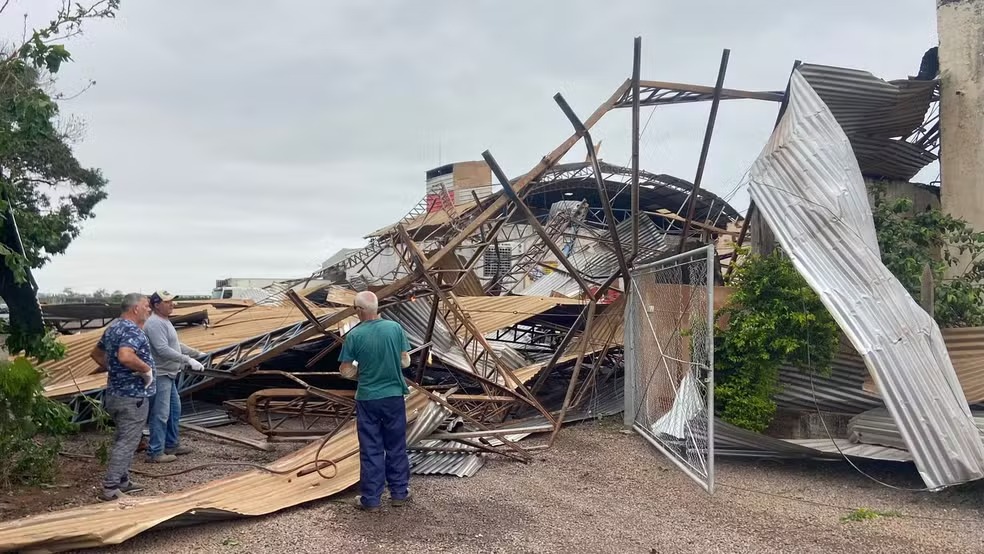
382,426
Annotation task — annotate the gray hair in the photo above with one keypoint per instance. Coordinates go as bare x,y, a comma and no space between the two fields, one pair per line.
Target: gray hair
367,301
130,301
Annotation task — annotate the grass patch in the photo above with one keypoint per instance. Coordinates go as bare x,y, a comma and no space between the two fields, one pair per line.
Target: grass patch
864,514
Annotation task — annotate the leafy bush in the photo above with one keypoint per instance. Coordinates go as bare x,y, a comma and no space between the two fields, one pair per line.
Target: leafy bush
30,426
774,318
908,242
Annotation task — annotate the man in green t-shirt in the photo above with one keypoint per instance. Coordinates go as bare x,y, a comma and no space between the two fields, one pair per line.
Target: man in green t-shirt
374,352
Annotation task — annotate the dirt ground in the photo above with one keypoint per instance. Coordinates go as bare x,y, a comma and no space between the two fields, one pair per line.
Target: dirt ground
79,477
599,490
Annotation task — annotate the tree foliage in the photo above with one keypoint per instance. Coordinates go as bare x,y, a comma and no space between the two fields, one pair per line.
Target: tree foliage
50,192
45,195
30,426
908,242
773,318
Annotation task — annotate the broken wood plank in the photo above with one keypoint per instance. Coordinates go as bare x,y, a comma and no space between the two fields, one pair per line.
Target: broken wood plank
259,445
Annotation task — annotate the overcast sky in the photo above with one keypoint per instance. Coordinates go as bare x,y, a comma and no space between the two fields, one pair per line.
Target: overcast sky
254,139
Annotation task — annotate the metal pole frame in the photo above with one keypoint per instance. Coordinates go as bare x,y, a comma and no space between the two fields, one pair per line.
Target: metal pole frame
599,181
509,192
592,306
709,397
636,70
692,199
450,301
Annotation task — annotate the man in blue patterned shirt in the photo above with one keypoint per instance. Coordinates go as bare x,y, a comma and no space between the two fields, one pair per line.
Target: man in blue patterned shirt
124,352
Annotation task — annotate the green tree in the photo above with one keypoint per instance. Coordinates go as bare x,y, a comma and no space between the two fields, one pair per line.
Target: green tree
45,195
908,242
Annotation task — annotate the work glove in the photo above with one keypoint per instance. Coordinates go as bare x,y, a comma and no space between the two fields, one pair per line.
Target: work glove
148,379
195,364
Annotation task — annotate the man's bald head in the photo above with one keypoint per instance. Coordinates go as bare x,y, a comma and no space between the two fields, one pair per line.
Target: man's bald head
366,304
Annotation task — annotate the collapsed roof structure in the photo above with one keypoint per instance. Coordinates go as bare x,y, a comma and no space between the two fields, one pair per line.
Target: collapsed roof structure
513,300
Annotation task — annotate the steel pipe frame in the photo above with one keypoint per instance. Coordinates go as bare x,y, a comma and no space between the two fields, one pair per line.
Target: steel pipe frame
705,147
450,301
636,70
511,194
577,370
657,93
520,392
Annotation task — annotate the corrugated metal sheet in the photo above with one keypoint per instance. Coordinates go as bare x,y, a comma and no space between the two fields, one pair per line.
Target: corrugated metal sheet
730,440
413,317
866,105
491,313
872,112
339,257
429,419
608,326
248,494
76,372
890,158
470,285
811,193
843,447
652,244
445,463
733,441
966,348
555,282
204,414
840,392
878,428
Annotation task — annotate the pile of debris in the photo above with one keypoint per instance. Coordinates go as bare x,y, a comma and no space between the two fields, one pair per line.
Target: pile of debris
513,293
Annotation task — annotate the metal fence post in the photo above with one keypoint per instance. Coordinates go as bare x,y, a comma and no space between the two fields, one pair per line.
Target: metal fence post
711,256
628,417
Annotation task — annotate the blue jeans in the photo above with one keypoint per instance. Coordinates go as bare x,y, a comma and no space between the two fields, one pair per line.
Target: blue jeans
165,413
382,427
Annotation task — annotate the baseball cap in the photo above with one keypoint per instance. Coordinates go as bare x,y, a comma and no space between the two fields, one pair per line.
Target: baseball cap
161,296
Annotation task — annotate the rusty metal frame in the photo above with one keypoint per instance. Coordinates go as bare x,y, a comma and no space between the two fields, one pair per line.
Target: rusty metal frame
269,409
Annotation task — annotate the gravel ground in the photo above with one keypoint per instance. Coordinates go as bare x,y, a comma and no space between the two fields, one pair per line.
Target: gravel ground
79,478
601,490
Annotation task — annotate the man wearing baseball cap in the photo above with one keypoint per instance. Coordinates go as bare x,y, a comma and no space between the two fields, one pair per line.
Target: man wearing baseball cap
170,357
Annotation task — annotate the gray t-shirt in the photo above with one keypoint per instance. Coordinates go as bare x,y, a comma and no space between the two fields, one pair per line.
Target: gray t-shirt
170,356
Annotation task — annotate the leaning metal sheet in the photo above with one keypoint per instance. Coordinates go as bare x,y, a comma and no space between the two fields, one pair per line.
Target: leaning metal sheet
810,191
669,360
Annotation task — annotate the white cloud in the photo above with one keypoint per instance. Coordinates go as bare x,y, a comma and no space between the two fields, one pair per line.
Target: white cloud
258,138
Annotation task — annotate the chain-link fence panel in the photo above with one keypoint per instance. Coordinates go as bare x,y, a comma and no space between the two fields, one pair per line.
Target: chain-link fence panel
669,359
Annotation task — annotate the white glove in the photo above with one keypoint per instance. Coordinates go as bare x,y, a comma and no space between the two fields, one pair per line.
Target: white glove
148,379
195,364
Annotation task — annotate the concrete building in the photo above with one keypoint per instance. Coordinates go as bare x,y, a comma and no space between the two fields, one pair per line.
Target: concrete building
961,57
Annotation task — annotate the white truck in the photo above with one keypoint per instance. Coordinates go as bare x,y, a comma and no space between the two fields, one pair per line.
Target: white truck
242,288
